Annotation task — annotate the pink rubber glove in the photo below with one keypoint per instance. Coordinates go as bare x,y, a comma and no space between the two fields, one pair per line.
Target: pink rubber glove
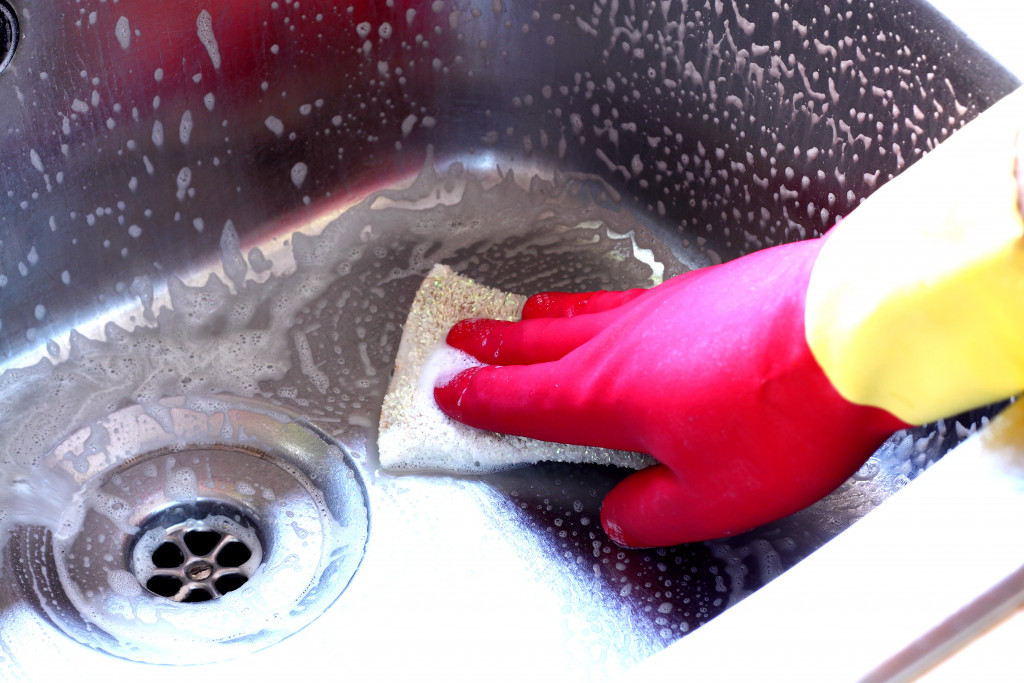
763,383
709,372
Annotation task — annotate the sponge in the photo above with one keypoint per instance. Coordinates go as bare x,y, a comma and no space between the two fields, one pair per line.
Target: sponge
415,435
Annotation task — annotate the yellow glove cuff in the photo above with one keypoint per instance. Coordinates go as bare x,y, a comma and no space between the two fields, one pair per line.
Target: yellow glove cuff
916,301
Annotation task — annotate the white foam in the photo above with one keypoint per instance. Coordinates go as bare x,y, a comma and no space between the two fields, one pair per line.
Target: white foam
123,31
183,180
37,162
298,173
408,124
181,484
185,127
204,29
123,583
274,125
442,365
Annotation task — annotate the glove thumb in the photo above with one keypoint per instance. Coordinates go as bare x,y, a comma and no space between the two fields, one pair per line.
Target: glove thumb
658,507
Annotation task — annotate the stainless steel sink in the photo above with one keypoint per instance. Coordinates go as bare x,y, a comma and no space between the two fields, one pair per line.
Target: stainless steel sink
213,218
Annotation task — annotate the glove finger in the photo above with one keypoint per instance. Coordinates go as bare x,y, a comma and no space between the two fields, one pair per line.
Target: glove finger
535,401
657,507
545,339
538,340
567,305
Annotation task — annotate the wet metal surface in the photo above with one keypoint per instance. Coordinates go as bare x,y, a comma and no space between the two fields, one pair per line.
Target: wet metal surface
241,200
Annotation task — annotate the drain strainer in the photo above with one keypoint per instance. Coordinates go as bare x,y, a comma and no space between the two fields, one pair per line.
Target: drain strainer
200,558
199,532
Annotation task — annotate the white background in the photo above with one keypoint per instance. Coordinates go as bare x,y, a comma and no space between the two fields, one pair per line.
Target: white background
996,25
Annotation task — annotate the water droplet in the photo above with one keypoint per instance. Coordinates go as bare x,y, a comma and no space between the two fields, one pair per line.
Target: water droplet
123,32
204,29
298,173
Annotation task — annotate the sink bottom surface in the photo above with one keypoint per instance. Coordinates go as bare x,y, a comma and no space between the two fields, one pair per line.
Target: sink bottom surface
509,572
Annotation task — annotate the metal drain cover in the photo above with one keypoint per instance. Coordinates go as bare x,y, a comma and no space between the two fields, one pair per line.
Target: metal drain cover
199,532
200,558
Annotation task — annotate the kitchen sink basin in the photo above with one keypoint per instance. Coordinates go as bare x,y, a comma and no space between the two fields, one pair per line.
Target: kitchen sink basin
214,217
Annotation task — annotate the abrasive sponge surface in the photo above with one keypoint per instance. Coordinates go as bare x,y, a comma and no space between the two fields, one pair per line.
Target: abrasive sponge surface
414,434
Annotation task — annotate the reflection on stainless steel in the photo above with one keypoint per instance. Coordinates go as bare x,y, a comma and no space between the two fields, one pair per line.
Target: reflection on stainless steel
240,199
927,571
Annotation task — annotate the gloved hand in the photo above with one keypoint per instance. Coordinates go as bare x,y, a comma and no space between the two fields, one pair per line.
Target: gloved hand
709,372
762,383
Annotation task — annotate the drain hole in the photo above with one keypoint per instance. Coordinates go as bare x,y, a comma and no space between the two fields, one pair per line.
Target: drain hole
197,595
202,542
230,582
234,554
168,556
167,586
197,553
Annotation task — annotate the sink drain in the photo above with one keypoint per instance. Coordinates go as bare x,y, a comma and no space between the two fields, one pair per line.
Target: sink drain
200,558
199,532
8,34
